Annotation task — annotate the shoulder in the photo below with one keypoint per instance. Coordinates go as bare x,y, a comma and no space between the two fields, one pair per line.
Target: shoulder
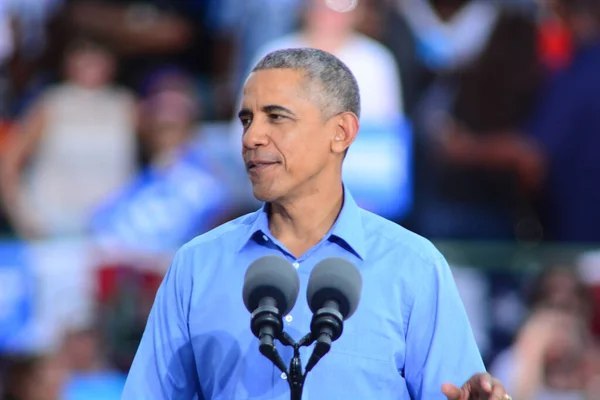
373,48
194,263
53,97
395,240
230,233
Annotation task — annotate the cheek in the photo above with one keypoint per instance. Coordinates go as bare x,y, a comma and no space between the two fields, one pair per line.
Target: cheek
304,150
305,161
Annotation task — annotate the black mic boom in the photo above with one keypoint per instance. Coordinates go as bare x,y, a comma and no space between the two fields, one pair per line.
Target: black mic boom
333,294
271,286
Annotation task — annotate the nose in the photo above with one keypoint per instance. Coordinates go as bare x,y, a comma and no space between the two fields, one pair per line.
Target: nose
255,136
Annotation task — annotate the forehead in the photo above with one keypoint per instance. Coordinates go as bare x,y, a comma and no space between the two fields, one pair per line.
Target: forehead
275,86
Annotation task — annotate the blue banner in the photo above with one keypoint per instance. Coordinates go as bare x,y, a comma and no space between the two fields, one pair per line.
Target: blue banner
378,169
162,209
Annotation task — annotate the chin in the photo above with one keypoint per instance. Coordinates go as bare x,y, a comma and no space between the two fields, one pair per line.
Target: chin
267,195
264,196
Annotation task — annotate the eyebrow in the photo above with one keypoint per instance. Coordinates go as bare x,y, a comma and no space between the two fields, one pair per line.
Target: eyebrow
273,108
244,112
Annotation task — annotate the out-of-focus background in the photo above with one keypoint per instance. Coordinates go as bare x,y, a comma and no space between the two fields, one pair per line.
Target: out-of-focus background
118,143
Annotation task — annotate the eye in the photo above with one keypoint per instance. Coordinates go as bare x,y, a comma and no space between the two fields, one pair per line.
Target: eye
276,117
246,121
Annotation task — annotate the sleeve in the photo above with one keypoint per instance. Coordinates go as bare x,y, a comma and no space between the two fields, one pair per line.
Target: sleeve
440,345
164,365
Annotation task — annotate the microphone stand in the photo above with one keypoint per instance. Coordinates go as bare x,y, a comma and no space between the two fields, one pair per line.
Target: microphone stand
295,375
267,317
267,326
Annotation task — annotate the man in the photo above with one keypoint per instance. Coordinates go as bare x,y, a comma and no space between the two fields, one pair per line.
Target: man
410,334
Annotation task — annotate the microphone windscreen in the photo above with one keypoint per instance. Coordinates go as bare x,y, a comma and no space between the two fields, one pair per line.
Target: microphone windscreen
271,276
335,279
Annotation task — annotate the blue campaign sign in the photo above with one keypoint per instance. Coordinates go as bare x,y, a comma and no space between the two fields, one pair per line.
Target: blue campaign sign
162,209
16,296
378,169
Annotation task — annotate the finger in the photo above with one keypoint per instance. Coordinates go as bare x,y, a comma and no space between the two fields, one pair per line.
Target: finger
451,391
486,383
498,391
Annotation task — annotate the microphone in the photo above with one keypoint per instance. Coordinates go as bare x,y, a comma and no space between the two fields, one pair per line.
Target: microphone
333,295
271,286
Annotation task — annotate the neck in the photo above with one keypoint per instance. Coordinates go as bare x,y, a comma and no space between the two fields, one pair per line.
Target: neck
301,223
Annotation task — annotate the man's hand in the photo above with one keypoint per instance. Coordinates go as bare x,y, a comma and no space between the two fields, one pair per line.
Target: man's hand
480,386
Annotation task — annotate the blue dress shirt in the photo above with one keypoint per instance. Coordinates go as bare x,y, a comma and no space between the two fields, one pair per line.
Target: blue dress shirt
409,335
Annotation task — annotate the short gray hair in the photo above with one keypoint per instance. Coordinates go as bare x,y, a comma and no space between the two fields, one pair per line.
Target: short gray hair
339,89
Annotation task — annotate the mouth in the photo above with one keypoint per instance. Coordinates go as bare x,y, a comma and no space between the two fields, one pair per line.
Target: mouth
258,166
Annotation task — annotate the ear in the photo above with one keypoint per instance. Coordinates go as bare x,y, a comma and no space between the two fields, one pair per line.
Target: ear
346,127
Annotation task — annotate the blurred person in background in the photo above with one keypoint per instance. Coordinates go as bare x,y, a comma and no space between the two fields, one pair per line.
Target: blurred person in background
432,37
187,184
554,356
373,65
74,147
449,34
548,359
566,126
147,34
33,378
561,287
169,114
480,180
28,71
143,33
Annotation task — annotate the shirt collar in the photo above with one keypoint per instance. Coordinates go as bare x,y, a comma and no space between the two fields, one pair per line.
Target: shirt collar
347,228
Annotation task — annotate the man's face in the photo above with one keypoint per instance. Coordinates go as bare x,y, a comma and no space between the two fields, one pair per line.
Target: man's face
286,142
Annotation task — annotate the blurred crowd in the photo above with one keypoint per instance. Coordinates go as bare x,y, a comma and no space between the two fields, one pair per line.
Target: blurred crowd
117,124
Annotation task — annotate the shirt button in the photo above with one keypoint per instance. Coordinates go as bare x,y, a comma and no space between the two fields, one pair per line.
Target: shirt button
283,375
265,238
288,318
296,265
